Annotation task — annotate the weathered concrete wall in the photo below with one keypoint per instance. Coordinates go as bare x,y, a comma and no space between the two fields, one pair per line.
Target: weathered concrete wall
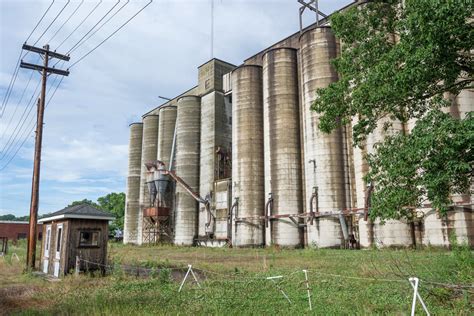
247,153
210,75
166,133
216,131
187,167
149,149
223,198
323,152
132,203
282,157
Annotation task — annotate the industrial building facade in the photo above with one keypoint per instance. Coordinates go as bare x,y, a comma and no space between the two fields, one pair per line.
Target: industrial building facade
239,159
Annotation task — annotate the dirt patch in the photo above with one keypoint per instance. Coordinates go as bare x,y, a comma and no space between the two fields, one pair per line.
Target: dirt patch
16,297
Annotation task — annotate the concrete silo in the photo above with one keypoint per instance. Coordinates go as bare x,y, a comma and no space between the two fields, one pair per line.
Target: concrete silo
166,133
188,122
149,149
132,204
247,155
324,160
282,156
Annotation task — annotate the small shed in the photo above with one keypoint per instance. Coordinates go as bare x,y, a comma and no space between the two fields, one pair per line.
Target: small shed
80,230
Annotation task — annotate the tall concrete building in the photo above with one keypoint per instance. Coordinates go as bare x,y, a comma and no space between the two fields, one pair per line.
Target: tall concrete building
242,161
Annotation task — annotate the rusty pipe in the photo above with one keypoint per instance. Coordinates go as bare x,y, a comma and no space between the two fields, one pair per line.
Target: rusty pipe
268,209
314,196
368,197
236,206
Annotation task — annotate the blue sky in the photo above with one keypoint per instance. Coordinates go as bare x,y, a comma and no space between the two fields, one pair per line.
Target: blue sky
85,140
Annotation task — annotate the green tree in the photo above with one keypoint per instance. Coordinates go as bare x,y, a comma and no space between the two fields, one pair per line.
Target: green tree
8,217
399,60
84,201
115,204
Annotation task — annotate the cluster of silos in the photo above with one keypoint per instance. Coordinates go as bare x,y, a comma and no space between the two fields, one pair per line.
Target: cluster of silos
268,142
282,164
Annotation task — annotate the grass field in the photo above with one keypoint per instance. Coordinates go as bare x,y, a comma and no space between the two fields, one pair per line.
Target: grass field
234,282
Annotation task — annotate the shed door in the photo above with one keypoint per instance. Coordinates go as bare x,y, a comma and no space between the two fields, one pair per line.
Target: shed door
47,245
58,247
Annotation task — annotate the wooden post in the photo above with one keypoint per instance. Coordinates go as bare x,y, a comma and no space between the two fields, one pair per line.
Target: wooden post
78,266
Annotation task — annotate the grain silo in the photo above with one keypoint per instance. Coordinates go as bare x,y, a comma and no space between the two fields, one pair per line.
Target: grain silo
149,149
166,133
132,204
282,157
324,169
247,155
188,123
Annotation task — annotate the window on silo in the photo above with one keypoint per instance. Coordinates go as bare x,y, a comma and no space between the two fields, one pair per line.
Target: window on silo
89,238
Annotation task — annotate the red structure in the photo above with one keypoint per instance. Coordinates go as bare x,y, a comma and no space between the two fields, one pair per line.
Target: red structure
15,230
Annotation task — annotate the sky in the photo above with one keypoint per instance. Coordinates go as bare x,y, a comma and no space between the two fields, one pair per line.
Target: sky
85,140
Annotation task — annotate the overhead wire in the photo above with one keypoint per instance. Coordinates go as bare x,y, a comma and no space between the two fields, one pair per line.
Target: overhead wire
50,24
37,24
33,127
108,12
79,25
17,68
18,104
112,34
100,27
6,98
67,20
20,124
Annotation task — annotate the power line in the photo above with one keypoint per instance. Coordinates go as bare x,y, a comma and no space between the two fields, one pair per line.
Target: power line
23,119
10,85
37,24
67,20
33,127
28,108
16,69
103,24
100,44
72,48
82,22
17,105
50,24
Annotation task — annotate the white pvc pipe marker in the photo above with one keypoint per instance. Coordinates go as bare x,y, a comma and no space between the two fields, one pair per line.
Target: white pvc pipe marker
414,284
307,289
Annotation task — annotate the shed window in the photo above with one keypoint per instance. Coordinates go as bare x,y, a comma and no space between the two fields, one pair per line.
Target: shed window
89,238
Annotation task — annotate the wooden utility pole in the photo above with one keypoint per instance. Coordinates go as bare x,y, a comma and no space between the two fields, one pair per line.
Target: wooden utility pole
45,71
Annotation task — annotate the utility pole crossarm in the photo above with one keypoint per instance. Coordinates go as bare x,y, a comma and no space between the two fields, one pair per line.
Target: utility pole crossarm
44,51
48,70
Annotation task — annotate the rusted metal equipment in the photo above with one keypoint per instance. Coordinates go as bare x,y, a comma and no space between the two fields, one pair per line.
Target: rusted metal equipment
157,216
